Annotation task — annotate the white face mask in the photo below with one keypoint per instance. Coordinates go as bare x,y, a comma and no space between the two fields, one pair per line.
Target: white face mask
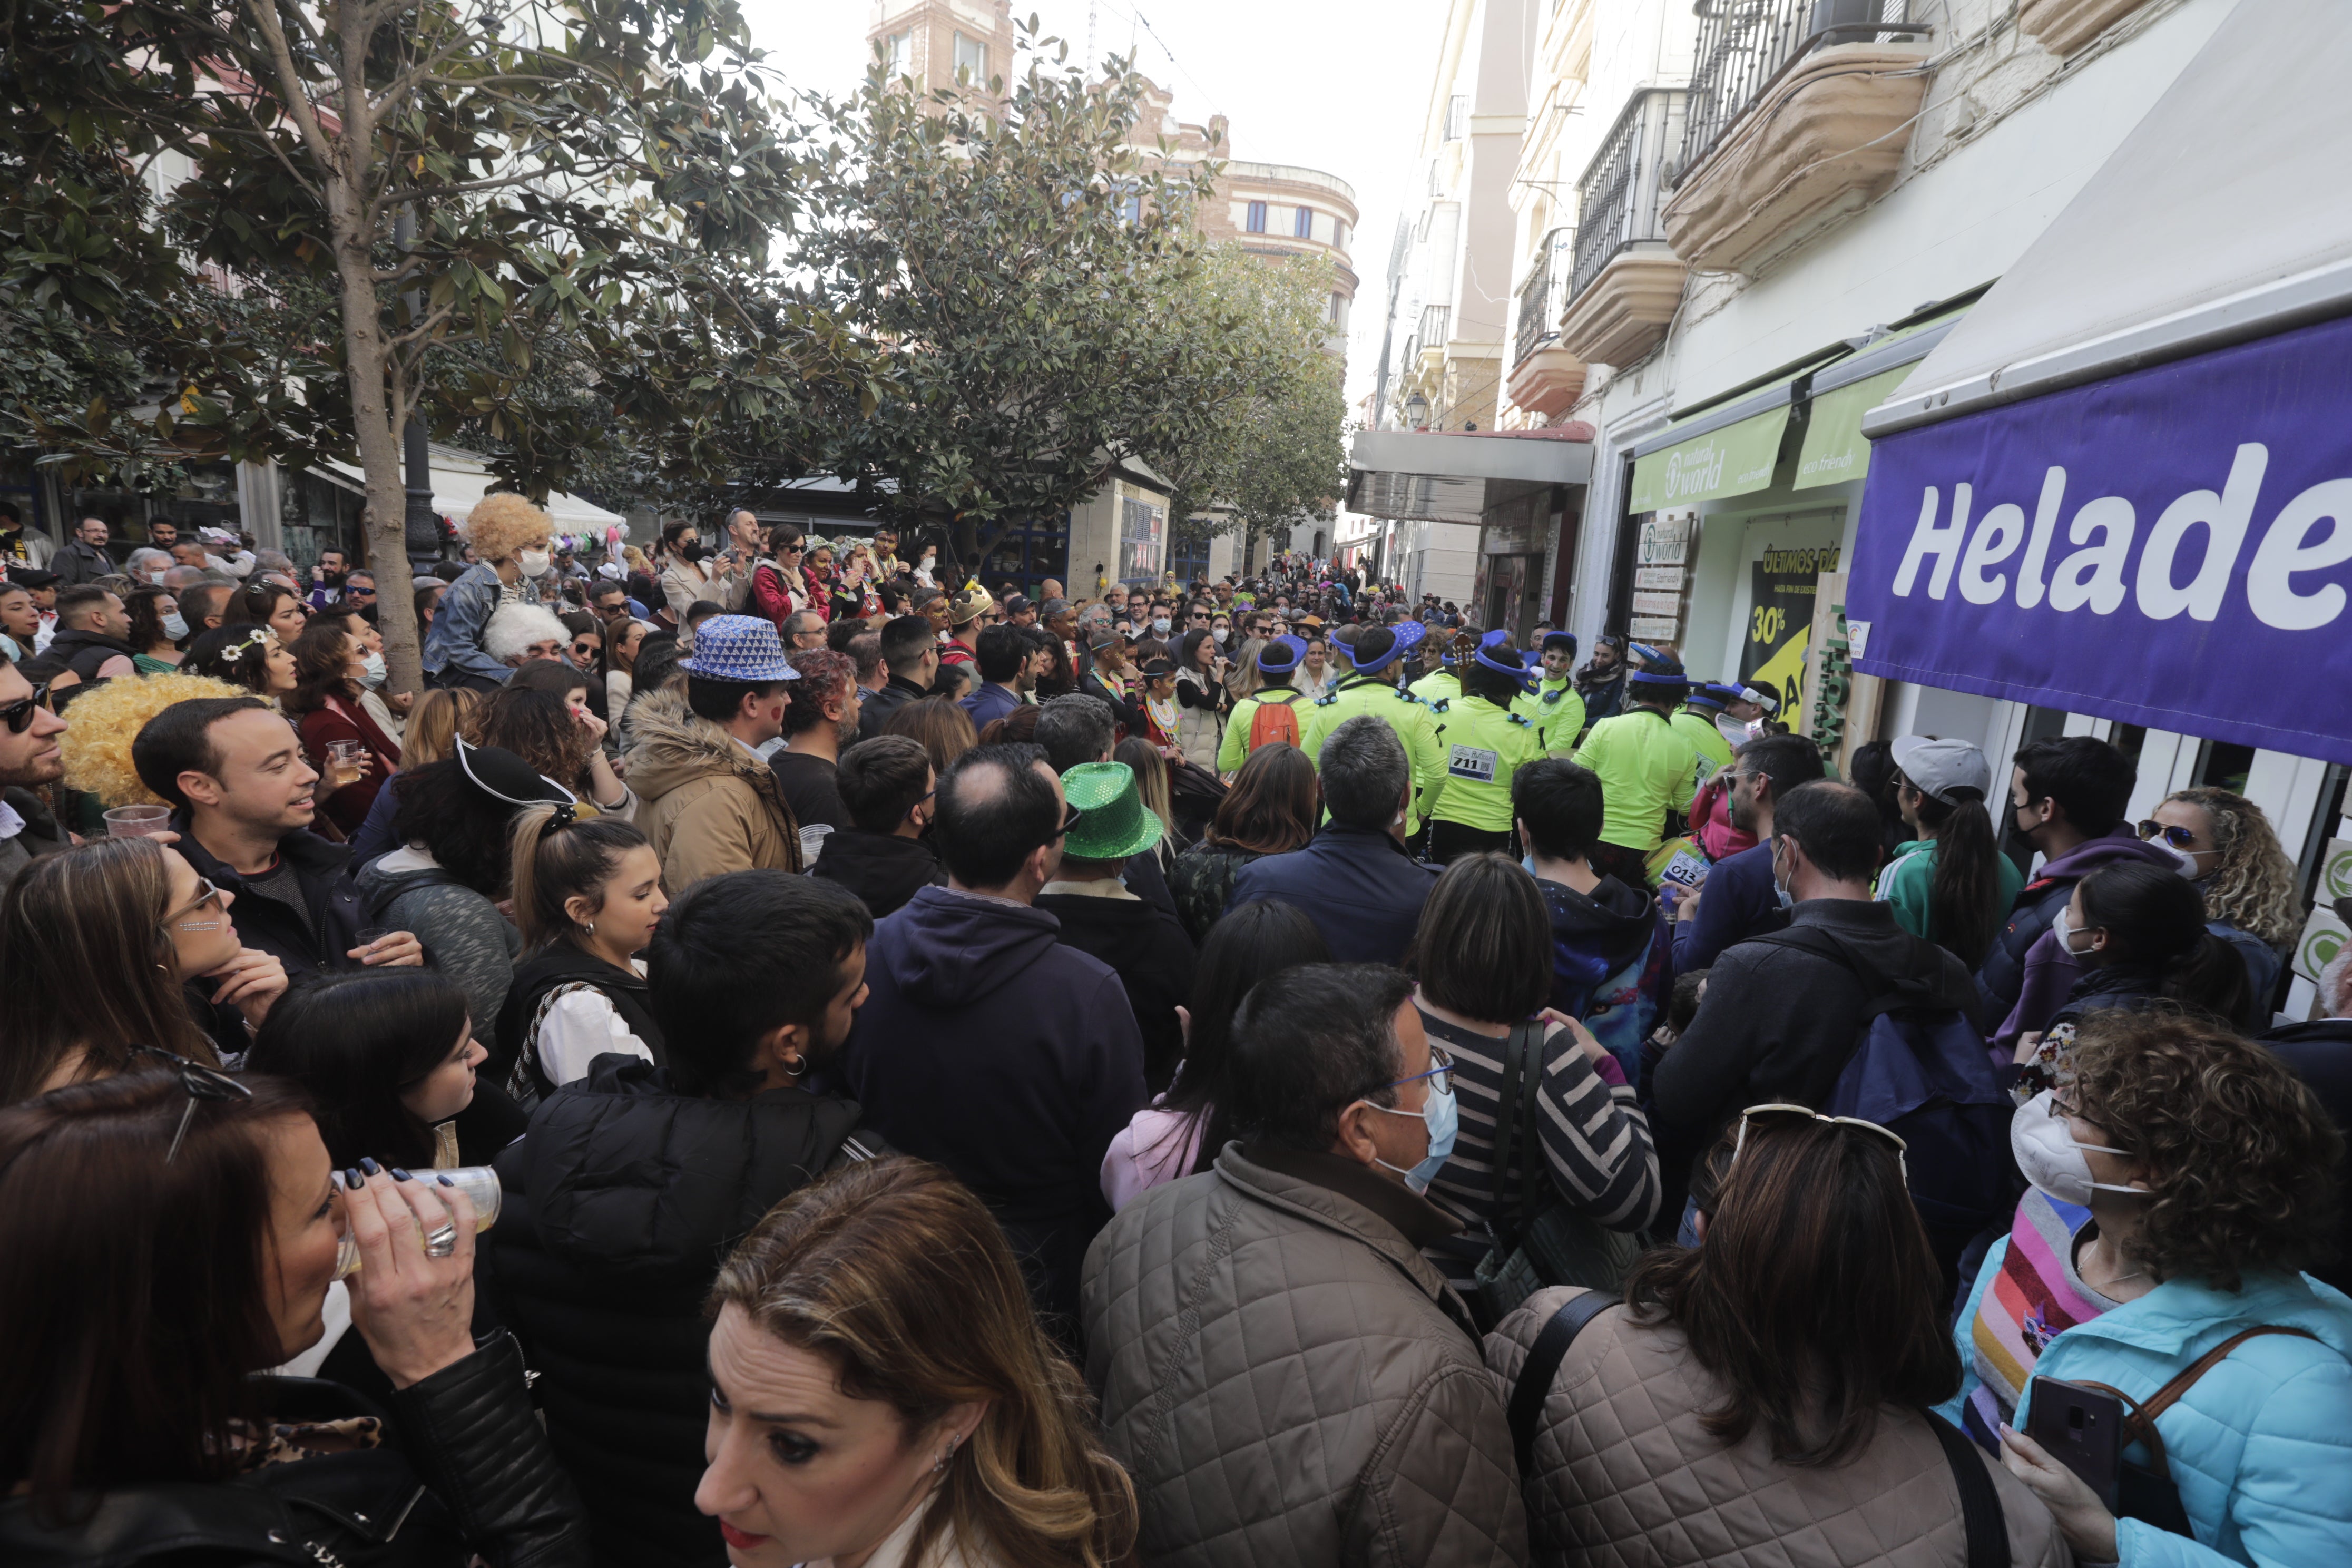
1159,625
535,562
2063,927
2049,1157
176,625
1785,900
2186,862
373,664
1220,633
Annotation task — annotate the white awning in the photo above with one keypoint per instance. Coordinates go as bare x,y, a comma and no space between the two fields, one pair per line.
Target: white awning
1437,477
461,478
2219,218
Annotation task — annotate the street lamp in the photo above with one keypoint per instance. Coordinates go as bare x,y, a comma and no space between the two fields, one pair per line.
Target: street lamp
1416,412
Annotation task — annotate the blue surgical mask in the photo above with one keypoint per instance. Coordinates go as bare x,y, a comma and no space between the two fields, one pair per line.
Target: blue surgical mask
1787,900
176,625
1441,1116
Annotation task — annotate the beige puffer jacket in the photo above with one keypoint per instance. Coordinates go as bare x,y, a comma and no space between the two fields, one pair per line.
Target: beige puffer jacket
1624,1474
1289,1382
707,804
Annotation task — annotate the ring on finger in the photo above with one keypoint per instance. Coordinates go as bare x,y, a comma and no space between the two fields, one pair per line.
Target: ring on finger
441,1241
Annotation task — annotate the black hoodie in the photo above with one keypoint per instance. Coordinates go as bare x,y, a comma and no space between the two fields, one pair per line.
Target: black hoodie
988,1045
1779,1022
1147,949
620,1203
882,869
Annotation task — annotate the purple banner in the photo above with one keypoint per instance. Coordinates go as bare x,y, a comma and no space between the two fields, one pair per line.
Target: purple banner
2170,547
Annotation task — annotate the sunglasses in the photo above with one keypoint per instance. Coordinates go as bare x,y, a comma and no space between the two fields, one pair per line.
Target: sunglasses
1809,1113
201,1082
2177,836
1072,815
18,715
207,897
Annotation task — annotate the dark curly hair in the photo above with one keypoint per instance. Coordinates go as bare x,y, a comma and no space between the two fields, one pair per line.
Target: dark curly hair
536,726
468,832
2240,1157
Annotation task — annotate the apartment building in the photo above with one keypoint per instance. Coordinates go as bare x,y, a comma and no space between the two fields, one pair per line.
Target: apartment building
1824,305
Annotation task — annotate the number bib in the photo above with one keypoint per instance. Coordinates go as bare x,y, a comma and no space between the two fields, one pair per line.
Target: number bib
1475,764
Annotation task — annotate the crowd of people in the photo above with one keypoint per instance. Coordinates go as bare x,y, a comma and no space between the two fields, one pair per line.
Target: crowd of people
783,1052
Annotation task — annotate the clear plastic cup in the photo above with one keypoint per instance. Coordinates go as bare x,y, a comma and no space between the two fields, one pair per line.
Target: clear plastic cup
138,821
813,842
478,1183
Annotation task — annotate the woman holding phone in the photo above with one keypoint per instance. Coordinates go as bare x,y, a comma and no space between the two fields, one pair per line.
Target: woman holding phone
2181,1178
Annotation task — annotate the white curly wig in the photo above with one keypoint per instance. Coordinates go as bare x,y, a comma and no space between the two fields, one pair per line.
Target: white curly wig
514,627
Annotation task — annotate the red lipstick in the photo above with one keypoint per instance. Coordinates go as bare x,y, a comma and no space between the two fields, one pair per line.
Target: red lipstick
737,1540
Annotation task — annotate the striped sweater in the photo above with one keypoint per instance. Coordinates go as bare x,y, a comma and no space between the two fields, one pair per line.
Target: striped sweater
2038,1295
1596,1142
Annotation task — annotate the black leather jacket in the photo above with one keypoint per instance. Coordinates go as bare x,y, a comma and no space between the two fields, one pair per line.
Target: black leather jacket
465,1469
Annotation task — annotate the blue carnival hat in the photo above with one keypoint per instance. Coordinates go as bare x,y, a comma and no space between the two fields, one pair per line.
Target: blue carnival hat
1712,695
1559,639
739,648
1767,699
1280,656
1383,646
1657,668
1494,656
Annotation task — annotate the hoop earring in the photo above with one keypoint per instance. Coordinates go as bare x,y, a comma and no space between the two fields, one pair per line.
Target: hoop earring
589,927
797,1068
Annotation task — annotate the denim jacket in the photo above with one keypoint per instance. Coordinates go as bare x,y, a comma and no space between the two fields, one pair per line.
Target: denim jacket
454,654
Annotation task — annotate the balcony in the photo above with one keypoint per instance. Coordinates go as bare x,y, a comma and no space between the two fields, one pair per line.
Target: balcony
1624,283
1797,118
1545,379
1436,325
2062,26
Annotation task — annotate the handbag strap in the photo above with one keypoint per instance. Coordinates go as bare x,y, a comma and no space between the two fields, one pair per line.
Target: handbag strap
1536,1373
1980,1511
2141,1425
519,1080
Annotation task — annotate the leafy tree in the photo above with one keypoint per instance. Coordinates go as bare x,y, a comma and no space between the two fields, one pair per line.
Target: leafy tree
1259,446
1019,254
607,175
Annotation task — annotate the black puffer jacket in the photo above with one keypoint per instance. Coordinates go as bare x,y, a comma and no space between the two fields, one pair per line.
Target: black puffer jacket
465,1470
620,1202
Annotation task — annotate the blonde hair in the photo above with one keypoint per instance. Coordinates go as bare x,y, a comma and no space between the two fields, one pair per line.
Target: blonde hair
431,733
504,524
2253,885
107,718
894,1273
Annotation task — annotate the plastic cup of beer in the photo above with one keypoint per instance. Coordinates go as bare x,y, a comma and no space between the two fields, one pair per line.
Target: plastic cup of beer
346,761
138,821
478,1183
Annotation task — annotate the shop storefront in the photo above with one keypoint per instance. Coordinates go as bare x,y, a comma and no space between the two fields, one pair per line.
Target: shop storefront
1478,518
2118,498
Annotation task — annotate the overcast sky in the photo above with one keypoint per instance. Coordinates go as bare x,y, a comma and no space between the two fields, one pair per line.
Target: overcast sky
1335,87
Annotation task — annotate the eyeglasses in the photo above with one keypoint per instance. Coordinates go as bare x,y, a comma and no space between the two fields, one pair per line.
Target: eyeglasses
208,896
201,1082
1440,1074
18,715
1808,1112
2179,837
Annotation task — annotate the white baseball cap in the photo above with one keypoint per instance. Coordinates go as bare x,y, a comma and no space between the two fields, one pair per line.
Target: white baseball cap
1938,767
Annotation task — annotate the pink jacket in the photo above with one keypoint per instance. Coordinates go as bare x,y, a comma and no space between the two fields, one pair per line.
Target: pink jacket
1154,1148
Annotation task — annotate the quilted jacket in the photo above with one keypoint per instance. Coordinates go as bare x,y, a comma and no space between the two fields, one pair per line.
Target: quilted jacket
1624,1474
2261,1447
1287,1380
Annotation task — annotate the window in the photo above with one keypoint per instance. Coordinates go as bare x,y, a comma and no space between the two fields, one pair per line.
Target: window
1132,209
894,55
1338,234
972,55
1458,110
1338,309
1302,223
1142,526
1257,224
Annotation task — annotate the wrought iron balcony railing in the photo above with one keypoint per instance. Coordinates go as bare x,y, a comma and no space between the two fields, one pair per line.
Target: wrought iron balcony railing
1745,45
1544,295
1621,193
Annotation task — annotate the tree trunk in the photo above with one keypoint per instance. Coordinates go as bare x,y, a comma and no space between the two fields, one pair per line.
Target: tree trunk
366,355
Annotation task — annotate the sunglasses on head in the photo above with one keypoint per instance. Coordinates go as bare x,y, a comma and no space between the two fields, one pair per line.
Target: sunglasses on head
2179,837
200,1082
1807,1112
18,715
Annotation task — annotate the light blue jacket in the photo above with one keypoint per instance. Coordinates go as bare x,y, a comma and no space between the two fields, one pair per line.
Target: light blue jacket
454,653
2261,1447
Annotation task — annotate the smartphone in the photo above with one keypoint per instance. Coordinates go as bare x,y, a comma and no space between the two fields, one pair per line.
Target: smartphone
2082,1429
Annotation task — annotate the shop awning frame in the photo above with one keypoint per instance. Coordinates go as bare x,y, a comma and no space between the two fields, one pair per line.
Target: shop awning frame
1425,475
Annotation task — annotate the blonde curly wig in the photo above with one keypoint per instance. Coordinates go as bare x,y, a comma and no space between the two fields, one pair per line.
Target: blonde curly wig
2253,885
102,724
506,523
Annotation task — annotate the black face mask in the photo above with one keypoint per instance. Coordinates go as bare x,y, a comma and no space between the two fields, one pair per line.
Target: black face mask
692,549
